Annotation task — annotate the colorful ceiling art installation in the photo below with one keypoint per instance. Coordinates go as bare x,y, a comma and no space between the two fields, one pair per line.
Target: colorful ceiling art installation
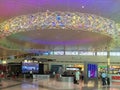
56,21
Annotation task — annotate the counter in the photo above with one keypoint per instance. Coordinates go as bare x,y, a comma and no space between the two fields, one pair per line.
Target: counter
66,78
114,79
41,76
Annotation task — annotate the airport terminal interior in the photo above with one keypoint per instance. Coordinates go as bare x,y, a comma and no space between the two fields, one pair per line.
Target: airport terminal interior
60,44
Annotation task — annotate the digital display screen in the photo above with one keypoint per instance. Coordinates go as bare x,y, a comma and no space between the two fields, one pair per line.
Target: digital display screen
92,70
27,67
72,68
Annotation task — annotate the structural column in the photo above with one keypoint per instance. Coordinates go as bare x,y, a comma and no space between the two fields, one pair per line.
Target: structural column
108,61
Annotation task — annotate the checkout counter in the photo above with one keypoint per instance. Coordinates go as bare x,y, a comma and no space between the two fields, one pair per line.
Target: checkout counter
41,76
114,79
68,75
67,78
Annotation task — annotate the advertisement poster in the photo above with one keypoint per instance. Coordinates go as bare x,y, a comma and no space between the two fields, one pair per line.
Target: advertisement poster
92,70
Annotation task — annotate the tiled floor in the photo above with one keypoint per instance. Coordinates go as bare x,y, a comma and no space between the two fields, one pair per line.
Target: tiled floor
52,84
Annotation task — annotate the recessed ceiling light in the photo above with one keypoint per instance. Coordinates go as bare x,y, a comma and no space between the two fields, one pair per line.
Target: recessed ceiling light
82,6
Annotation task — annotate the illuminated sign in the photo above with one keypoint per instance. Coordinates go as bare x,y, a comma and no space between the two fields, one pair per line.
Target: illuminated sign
92,70
115,77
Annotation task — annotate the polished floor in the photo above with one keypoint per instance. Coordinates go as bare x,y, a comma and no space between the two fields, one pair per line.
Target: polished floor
52,84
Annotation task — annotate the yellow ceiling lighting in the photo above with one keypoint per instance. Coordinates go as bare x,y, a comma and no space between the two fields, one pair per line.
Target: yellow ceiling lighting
58,20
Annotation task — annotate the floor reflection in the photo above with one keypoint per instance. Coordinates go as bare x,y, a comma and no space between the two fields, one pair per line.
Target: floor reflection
53,85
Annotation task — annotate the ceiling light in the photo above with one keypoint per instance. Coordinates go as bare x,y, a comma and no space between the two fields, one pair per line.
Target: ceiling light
82,6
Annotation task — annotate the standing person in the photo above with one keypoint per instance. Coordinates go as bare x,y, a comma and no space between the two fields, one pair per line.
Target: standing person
31,73
103,75
0,80
108,81
2,75
54,74
17,74
60,71
77,76
82,75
